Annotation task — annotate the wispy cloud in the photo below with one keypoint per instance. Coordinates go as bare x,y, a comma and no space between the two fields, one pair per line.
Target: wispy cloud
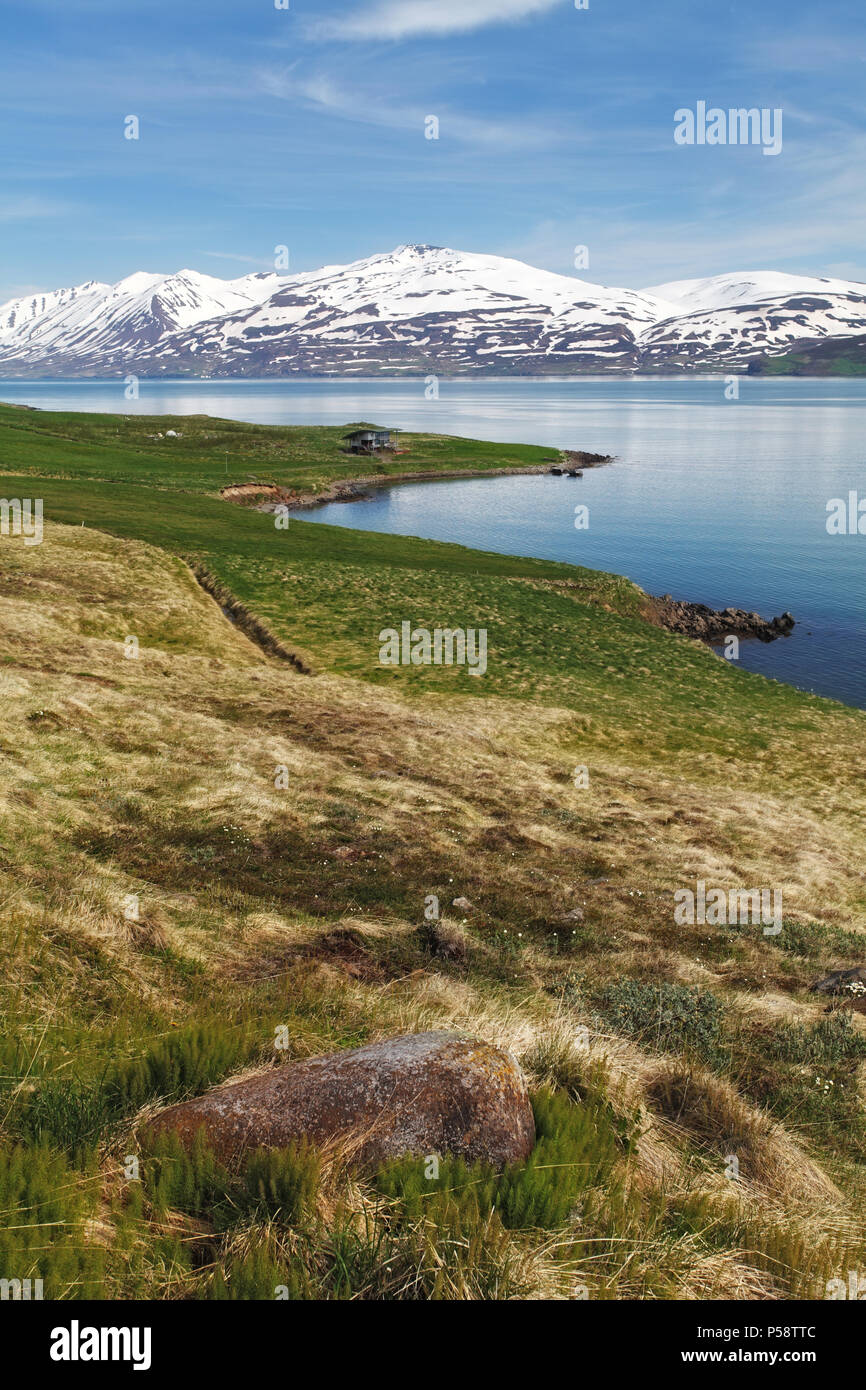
813,52
806,227
259,261
405,19
555,130
31,209
362,106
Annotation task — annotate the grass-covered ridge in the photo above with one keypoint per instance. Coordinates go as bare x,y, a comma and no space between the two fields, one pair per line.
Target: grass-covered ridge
654,1050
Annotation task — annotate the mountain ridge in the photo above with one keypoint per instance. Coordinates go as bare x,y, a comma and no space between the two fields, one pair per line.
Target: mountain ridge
421,309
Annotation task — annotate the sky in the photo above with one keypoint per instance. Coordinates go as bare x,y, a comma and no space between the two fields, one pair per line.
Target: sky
306,127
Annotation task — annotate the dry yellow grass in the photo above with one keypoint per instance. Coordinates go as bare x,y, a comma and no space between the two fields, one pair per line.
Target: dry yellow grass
111,761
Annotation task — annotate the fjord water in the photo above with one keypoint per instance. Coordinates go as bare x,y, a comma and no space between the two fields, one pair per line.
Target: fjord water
716,500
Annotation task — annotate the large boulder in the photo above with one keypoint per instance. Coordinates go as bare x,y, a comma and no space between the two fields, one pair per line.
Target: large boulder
425,1093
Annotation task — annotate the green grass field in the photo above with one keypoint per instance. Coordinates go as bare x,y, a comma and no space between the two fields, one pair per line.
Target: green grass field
210,453
154,777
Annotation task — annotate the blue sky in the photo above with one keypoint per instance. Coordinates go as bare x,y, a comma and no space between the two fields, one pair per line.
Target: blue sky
305,127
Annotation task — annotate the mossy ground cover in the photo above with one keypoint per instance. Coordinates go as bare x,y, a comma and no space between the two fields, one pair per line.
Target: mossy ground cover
652,1047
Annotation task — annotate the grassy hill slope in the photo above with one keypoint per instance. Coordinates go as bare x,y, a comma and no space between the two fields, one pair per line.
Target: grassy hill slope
168,907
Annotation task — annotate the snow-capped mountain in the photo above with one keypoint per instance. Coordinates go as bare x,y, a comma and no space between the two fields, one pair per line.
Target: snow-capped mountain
103,326
420,309
729,320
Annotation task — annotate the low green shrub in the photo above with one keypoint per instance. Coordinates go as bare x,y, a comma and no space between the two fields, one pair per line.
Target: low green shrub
666,1017
277,1183
185,1063
183,1179
258,1276
576,1149
282,1182
77,1116
833,1039
73,1116
811,939
45,1204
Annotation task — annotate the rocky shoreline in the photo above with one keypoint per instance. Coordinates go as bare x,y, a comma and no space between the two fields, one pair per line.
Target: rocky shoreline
574,461
713,625
579,458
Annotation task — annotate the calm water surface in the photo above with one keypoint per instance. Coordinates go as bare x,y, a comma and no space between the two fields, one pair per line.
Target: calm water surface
721,501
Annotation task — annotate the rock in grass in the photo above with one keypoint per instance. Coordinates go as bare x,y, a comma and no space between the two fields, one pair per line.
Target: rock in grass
424,1093
842,981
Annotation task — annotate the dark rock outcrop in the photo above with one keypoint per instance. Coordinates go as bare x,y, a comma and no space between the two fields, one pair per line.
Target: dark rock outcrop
424,1093
714,625
582,458
842,981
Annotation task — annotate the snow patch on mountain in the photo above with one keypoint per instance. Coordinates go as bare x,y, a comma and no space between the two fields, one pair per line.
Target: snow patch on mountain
742,287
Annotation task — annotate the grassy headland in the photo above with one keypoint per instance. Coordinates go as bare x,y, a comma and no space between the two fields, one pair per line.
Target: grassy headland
656,1050
205,453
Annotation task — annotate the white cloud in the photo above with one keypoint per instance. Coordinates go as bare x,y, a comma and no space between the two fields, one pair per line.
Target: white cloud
404,19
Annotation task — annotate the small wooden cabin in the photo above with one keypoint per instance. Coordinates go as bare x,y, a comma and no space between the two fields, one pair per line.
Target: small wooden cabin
369,441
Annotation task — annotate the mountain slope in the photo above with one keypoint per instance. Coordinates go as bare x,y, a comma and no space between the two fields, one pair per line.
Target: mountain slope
730,320
421,309
745,287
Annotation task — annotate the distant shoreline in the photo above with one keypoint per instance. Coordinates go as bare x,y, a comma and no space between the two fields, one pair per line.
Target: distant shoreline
751,370
357,489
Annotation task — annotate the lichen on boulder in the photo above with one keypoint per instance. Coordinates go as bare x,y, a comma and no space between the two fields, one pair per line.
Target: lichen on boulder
421,1093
